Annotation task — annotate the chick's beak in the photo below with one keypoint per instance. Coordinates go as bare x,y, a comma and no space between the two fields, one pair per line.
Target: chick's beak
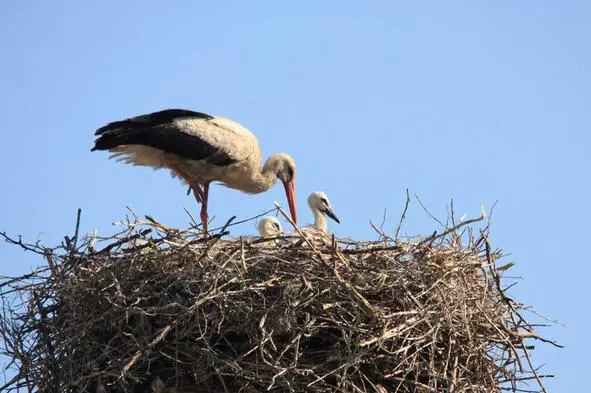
291,200
329,212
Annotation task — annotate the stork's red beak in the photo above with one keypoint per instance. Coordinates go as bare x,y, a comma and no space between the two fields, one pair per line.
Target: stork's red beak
291,200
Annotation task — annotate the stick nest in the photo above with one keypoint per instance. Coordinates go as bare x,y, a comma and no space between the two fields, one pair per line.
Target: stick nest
164,310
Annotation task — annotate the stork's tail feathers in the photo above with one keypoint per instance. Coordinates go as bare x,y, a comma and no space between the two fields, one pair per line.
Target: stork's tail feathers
112,137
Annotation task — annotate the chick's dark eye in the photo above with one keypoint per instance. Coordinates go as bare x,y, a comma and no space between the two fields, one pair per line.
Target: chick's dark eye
324,201
276,225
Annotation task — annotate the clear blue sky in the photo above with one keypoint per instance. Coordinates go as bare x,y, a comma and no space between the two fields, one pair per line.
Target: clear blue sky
480,101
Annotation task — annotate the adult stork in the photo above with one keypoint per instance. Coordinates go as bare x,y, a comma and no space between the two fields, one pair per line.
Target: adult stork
198,148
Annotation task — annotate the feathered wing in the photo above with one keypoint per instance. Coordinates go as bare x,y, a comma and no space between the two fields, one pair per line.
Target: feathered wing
152,119
142,140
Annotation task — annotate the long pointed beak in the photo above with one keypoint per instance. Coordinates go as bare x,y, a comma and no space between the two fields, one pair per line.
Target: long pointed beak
329,212
291,200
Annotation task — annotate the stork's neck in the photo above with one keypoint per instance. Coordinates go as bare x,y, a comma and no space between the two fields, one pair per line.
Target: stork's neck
261,181
319,220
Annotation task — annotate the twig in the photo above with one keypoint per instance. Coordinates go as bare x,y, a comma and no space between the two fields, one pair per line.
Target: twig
124,240
434,237
428,212
403,217
217,238
76,231
224,227
299,231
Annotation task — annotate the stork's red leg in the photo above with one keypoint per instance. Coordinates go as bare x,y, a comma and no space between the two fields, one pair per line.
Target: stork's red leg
195,187
197,192
204,197
200,193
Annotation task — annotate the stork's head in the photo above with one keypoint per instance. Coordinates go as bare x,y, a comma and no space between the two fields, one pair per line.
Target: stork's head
319,201
284,167
269,226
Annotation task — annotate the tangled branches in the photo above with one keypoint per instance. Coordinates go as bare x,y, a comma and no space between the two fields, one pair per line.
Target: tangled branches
166,310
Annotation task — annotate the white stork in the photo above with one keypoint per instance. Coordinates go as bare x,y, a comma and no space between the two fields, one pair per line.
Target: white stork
198,148
269,226
321,207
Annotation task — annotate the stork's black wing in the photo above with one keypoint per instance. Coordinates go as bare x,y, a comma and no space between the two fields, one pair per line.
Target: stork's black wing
159,131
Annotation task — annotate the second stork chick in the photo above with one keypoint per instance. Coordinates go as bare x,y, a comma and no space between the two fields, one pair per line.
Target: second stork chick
321,207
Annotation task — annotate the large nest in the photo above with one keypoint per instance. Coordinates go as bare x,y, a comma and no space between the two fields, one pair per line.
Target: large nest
166,310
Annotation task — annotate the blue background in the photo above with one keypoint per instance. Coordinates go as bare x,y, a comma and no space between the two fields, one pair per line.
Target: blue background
476,101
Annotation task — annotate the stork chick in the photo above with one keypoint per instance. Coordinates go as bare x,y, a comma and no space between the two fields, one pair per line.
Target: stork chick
321,207
269,226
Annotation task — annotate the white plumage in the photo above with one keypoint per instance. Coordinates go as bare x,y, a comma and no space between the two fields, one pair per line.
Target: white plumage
269,226
321,208
199,148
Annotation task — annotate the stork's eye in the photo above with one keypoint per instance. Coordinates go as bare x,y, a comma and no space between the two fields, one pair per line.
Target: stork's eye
286,174
277,226
324,201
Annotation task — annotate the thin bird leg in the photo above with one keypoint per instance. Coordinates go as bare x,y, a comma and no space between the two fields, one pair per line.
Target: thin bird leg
200,193
204,197
197,191
196,188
